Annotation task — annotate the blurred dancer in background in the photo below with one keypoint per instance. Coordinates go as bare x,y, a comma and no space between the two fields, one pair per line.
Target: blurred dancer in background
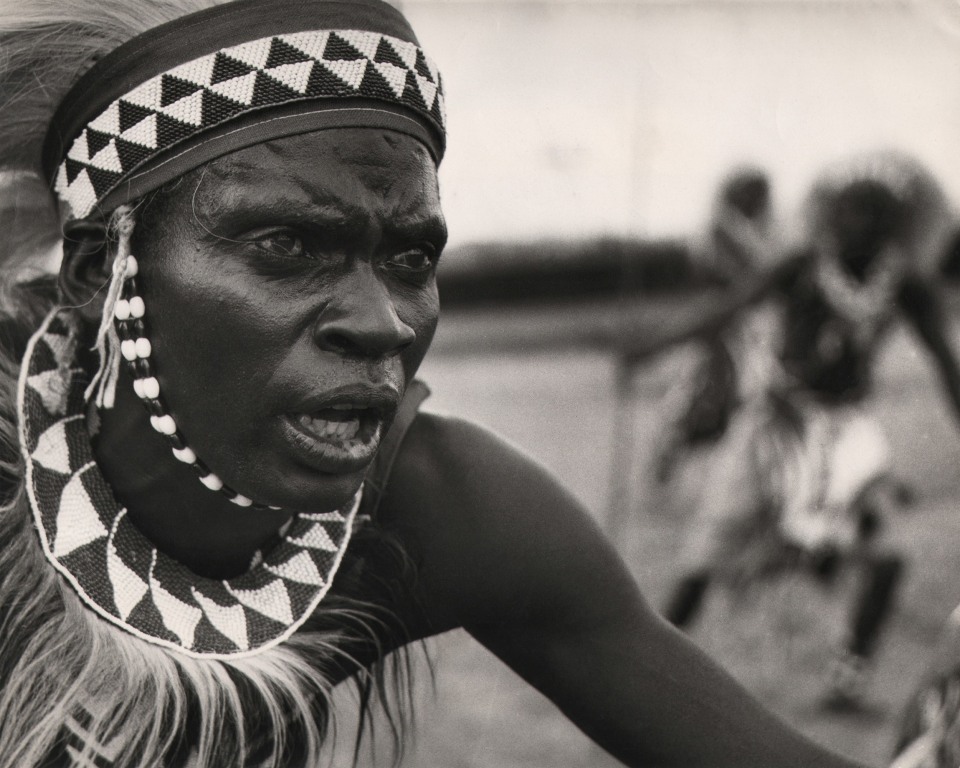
739,239
803,474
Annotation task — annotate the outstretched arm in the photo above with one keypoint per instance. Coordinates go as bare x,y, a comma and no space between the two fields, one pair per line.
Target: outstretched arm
922,306
713,313
507,553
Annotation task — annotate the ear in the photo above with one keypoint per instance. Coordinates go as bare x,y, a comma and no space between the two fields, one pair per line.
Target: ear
85,268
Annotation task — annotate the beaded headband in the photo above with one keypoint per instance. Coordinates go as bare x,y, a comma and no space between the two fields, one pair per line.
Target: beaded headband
238,74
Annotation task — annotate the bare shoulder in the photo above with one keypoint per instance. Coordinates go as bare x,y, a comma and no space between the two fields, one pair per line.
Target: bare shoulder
449,450
468,475
494,532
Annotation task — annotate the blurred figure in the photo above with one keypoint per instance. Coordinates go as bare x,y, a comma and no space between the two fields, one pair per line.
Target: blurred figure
739,239
803,476
741,224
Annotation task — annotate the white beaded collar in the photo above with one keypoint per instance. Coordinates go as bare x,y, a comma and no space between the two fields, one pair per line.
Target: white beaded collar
88,537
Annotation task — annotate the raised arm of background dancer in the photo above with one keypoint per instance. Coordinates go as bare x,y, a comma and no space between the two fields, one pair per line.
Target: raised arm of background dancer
922,306
506,552
708,319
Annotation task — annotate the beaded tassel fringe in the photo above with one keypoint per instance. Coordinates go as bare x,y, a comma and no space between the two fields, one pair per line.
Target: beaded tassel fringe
108,342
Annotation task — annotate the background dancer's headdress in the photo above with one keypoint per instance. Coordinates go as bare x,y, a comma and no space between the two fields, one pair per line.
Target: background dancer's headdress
235,75
896,192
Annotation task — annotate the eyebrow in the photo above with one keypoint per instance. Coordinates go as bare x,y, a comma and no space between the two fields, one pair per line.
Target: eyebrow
334,215
296,201
430,227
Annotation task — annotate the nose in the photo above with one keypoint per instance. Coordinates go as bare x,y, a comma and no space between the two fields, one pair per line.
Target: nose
361,321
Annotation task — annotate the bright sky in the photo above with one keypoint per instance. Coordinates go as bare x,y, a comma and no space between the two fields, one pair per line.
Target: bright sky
578,117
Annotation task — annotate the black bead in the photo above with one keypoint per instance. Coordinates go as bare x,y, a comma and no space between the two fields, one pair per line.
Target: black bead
177,441
155,407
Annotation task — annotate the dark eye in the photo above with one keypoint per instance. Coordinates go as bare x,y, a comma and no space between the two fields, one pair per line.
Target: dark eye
416,260
282,244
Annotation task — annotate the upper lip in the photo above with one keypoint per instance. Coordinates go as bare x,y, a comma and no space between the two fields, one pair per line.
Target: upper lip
383,398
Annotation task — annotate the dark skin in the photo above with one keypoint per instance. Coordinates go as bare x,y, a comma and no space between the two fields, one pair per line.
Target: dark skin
335,286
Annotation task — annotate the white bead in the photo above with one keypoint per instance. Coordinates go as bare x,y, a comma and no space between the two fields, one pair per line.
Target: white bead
165,424
212,482
185,454
137,307
132,268
241,500
128,348
122,310
142,346
138,388
151,388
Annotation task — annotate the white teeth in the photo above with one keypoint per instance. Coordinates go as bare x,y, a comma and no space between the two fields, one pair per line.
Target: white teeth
331,430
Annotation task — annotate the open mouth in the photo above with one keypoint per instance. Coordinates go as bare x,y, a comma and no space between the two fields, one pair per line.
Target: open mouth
338,438
341,423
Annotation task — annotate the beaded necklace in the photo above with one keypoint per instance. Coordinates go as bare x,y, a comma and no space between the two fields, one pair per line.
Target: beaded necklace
88,537
867,305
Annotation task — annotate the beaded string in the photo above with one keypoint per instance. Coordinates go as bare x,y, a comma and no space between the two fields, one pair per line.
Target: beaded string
129,315
104,382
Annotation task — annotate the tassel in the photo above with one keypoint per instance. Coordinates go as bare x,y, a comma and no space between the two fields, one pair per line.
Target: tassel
108,342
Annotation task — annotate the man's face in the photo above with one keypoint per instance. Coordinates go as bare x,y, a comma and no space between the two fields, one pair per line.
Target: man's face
291,296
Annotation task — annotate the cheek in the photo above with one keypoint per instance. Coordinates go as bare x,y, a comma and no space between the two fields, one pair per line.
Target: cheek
216,338
421,312
426,308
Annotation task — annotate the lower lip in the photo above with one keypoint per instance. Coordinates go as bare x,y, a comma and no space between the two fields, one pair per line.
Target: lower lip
332,456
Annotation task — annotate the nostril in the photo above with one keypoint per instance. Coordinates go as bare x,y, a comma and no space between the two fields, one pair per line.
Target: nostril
339,342
365,345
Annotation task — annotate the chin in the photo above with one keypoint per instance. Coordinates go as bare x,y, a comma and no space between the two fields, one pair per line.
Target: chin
312,491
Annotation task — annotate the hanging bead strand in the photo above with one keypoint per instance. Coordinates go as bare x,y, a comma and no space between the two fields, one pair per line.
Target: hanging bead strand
135,347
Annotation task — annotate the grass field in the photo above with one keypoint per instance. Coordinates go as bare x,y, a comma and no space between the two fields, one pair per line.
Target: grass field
515,374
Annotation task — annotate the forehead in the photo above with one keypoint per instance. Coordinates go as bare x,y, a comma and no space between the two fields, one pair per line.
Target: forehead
359,169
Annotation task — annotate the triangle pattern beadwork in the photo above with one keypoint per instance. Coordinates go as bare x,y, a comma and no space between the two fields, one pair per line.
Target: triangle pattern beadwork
205,92
87,536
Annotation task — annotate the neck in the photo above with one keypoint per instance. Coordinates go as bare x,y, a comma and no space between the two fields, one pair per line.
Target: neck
192,524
